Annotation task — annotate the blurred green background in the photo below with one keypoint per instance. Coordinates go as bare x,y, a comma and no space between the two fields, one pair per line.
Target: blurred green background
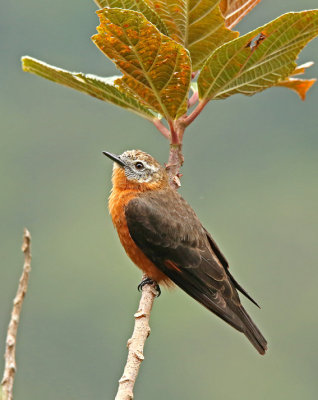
251,175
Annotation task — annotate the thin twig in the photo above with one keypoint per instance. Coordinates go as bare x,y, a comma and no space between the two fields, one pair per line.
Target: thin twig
10,362
193,99
136,343
189,119
161,128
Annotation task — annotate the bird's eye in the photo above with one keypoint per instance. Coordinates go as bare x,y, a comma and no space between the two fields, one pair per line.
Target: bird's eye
139,165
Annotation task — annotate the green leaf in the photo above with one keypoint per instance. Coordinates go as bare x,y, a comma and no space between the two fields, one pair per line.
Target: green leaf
172,14
196,24
258,60
136,5
101,88
205,30
235,10
156,68
194,87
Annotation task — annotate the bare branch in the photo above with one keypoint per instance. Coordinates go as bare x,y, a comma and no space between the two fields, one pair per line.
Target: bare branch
136,343
10,362
142,329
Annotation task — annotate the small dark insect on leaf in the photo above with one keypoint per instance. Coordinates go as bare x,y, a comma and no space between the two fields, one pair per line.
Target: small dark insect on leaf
254,43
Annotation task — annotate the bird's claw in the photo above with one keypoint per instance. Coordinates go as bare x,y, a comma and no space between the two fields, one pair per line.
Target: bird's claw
148,281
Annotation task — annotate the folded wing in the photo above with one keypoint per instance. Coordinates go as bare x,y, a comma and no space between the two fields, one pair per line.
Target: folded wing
175,241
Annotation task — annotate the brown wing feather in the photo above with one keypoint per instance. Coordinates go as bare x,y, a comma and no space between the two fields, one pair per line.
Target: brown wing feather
223,261
175,241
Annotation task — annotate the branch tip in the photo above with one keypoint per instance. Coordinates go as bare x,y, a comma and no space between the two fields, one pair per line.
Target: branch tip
26,241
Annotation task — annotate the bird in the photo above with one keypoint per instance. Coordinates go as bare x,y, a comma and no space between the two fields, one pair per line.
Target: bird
163,236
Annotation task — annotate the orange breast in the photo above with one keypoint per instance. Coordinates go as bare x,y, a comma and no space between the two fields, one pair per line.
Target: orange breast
117,202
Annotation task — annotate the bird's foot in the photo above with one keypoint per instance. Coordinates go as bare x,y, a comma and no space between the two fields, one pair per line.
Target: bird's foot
149,281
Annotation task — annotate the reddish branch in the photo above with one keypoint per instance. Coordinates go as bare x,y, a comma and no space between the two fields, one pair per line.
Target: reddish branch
161,128
190,118
10,362
193,99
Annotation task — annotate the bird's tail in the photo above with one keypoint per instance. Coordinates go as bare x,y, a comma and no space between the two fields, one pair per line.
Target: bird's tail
231,312
236,315
251,331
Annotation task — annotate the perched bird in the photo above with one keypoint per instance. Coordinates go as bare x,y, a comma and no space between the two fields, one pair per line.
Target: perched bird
163,236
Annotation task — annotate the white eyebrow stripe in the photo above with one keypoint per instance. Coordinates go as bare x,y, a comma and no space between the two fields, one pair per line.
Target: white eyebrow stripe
151,167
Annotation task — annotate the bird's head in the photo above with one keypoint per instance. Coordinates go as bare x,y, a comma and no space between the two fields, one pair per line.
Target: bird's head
137,168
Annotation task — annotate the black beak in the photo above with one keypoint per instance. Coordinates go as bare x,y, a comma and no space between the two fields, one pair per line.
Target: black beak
114,158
